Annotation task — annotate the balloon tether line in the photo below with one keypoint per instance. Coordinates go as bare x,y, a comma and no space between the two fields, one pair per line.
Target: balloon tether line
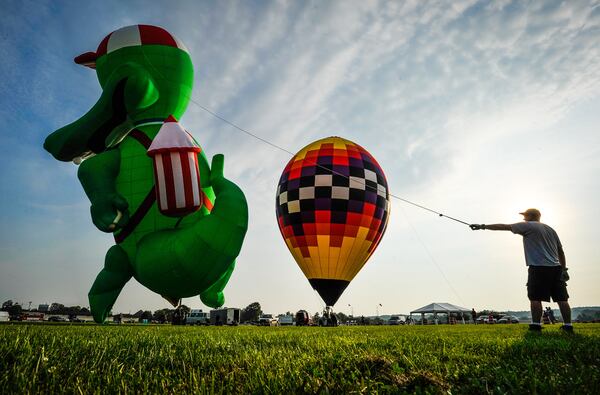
214,114
321,166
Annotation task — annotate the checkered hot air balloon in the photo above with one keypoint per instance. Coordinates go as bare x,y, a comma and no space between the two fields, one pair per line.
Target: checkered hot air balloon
176,175
332,208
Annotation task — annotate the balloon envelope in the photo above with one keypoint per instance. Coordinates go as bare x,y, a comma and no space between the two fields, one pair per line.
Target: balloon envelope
332,210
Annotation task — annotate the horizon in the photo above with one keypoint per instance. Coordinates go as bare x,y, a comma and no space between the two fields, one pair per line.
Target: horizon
478,110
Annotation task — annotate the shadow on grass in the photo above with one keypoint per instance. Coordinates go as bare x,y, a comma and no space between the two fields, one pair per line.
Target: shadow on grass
549,362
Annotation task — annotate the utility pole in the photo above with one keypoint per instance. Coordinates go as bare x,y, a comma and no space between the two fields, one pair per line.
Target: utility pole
351,310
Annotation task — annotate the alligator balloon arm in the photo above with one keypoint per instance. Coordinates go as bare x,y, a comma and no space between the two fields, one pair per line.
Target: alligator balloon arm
97,176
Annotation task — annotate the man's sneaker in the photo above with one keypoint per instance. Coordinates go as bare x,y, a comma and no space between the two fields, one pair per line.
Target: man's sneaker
567,328
535,328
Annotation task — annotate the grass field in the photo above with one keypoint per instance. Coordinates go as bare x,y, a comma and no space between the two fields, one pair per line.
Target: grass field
432,359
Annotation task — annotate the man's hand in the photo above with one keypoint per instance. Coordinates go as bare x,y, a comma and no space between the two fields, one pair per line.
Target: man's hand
477,227
564,276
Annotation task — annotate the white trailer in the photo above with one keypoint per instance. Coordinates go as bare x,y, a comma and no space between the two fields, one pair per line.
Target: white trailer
4,316
226,316
285,319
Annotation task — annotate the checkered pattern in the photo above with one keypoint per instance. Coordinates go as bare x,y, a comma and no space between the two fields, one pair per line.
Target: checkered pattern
332,203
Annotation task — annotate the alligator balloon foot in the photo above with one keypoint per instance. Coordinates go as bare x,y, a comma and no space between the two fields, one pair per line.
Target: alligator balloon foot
109,283
212,299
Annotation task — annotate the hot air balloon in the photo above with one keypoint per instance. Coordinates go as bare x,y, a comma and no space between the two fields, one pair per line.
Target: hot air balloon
332,209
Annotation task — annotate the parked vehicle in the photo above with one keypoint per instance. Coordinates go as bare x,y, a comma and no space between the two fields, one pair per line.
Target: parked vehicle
484,319
4,316
303,318
267,320
508,319
226,316
56,318
395,320
285,319
197,317
29,316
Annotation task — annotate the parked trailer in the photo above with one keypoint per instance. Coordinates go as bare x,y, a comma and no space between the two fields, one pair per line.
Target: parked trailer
226,316
4,316
285,319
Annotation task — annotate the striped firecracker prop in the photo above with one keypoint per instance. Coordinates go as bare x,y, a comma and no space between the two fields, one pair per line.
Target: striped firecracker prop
176,174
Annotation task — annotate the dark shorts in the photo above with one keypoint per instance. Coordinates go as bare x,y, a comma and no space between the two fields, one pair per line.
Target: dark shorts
544,282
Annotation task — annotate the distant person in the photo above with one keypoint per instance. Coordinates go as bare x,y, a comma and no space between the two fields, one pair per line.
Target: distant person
474,316
547,273
551,315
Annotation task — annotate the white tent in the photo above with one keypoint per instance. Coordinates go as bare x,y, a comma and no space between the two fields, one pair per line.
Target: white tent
440,308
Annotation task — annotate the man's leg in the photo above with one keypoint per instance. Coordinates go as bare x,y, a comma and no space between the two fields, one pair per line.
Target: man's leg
565,312
536,312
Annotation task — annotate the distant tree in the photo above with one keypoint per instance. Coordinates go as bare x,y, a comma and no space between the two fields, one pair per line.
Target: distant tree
316,318
85,311
72,310
178,317
342,318
146,315
251,312
15,311
184,309
7,305
588,315
138,314
56,308
162,315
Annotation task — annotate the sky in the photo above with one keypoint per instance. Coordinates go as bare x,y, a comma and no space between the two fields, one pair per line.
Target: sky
476,109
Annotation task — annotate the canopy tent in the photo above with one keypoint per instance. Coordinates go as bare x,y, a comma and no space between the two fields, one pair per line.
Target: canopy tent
440,308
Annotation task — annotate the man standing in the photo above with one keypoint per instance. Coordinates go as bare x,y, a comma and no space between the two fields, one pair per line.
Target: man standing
545,258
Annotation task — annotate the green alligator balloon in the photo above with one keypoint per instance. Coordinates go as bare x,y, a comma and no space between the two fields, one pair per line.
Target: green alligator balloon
146,75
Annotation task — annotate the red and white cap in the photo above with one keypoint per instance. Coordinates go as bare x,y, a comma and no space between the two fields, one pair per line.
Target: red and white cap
172,137
130,36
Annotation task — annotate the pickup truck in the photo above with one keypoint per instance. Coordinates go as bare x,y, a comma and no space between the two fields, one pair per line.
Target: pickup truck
267,320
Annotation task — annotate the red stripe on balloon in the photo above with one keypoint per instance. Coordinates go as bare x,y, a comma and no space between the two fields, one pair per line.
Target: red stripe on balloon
169,181
187,180
103,47
156,35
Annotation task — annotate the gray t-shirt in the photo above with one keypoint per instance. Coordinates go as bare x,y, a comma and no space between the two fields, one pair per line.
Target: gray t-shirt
541,243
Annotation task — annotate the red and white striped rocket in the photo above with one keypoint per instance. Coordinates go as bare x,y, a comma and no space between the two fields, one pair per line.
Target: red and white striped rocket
176,174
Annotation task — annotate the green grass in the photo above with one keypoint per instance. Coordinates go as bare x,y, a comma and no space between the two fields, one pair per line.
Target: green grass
432,359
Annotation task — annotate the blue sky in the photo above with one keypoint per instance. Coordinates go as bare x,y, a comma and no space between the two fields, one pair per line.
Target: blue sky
476,109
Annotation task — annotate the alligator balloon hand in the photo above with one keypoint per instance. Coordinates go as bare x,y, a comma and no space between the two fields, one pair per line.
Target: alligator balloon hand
146,76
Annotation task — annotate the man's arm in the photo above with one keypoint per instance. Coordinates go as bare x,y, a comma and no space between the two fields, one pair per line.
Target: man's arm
491,227
561,257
